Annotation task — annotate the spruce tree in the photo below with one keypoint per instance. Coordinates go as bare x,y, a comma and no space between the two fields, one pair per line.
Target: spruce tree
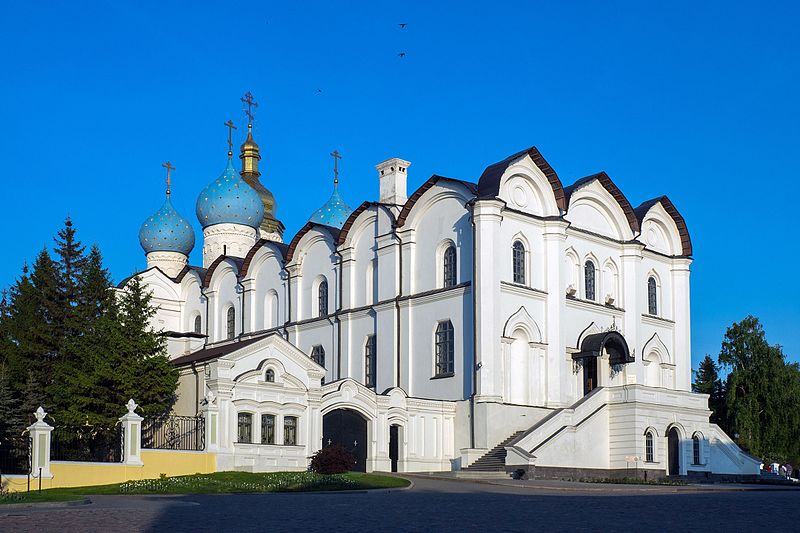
8,404
707,382
71,262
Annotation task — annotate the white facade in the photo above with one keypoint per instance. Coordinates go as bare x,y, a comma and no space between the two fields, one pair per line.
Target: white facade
546,282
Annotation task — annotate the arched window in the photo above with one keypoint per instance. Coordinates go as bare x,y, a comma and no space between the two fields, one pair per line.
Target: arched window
269,376
198,324
449,266
589,281
518,260
290,431
369,361
231,322
652,296
245,428
695,449
445,349
649,455
267,429
318,355
322,295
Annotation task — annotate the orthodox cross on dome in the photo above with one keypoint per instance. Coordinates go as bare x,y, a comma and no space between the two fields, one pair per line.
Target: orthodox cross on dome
169,168
231,127
336,157
248,100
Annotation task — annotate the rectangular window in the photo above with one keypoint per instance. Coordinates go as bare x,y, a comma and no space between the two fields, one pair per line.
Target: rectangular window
245,428
318,355
696,450
369,362
290,431
267,429
648,448
445,349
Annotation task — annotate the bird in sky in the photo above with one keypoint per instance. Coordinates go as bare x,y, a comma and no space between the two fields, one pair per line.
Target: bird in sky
402,25
402,55
319,90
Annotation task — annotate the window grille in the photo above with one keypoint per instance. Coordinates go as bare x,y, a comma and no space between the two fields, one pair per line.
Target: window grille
289,430
369,361
231,323
267,429
648,448
589,280
445,349
198,324
449,266
318,355
518,256
695,450
652,296
245,428
323,298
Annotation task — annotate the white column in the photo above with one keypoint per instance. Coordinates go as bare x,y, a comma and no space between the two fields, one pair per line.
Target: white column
40,443
211,414
557,372
682,314
487,218
132,427
633,285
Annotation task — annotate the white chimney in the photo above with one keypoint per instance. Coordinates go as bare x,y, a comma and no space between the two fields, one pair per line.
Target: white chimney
393,173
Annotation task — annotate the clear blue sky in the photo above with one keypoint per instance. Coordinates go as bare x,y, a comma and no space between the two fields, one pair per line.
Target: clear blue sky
696,100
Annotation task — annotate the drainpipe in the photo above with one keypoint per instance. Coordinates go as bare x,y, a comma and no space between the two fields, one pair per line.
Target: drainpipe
471,204
336,316
241,286
288,303
203,294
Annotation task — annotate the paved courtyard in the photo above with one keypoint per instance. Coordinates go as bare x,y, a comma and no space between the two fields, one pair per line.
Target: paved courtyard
431,505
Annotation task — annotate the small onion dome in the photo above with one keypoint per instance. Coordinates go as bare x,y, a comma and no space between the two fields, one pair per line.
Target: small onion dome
166,231
229,200
334,212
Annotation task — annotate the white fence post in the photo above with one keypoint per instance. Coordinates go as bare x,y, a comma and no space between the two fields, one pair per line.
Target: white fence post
40,445
211,412
132,431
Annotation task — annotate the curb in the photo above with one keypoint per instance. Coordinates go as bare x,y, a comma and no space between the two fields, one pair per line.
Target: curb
43,505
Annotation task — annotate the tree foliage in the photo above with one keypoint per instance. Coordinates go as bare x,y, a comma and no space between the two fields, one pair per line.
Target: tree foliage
73,343
707,381
759,401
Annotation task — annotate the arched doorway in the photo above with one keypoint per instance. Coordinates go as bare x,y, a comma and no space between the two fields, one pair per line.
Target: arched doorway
347,428
674,452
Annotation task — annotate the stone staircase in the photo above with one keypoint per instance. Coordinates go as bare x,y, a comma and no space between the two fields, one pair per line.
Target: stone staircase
494,460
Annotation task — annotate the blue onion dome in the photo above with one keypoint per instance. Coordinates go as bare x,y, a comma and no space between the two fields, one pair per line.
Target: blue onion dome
229,200
166,231
334,212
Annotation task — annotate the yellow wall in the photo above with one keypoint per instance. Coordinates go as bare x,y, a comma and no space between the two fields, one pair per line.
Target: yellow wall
156,462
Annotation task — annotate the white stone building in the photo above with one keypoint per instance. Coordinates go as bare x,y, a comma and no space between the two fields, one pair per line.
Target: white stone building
510,316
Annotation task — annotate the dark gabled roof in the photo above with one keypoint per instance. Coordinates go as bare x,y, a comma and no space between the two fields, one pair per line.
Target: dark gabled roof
351,220
177,279
214,352
218,261
282,248
613,190
489,182
669,207
414,198
333,232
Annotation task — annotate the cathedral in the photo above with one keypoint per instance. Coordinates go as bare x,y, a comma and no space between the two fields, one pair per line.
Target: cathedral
506,323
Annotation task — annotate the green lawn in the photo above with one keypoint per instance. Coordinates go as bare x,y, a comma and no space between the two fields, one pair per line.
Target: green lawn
220,482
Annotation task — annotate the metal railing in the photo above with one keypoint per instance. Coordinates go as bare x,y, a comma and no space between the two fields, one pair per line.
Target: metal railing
175,433
87,443
15,455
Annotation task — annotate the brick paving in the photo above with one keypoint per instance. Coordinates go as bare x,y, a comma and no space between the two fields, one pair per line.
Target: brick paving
432,505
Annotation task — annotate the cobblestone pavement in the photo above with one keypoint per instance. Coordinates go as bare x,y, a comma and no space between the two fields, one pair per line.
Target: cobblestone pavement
432,505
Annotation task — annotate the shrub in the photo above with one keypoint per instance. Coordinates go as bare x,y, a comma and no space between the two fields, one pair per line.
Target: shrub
334,459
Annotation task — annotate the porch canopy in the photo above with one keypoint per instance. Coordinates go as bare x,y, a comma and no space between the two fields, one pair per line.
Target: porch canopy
612,341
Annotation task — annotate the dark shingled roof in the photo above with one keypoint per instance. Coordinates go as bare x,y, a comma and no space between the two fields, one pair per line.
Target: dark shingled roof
669,207
489,182
207,354
414,198
351,220
613,342
613,190
218,261
333,232
282,248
